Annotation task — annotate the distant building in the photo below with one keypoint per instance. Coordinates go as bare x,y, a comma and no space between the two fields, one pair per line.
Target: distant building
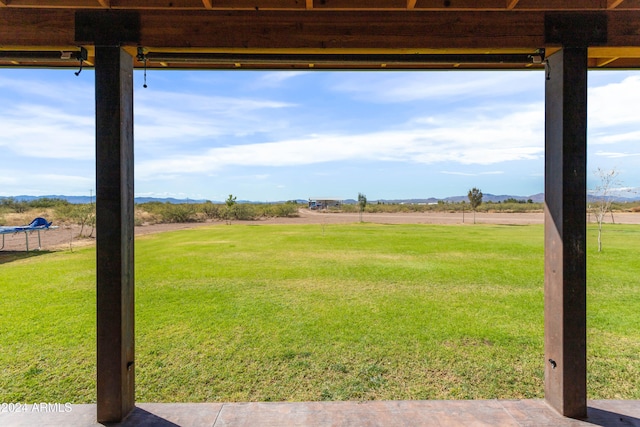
316,203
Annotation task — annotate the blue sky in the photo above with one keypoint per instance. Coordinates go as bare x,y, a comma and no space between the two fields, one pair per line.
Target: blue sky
268,136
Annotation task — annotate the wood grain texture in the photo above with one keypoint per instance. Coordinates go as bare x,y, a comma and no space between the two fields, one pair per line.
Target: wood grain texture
448,5
339,30
317,31
566,233
115,225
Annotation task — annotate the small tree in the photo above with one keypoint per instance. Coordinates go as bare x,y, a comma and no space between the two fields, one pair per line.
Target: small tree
603,196
230,202
362,203
83,215
475,200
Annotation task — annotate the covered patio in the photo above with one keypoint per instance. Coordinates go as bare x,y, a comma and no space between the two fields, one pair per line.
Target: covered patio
566,38
516,413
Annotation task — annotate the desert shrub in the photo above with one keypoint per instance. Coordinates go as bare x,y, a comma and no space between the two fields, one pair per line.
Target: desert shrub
349,208
210,210
157,212
83,215
21,207
179,213
266,210
151,207
510,207
625,206
285,210
65,215
46,202
142,216
512,200
242,212
374,208
10,204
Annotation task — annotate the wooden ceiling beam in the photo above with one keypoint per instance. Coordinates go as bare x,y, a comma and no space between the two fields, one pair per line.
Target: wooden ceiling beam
342,30
481,5
514,4
60,4
34,29
362,31
431,5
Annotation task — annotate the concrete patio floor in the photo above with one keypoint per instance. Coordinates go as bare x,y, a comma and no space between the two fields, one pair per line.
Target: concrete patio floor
375,413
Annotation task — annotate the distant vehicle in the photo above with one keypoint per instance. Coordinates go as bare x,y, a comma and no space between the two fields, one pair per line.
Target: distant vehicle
324,203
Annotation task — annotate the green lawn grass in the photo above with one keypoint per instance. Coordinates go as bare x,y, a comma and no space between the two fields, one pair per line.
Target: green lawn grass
361,311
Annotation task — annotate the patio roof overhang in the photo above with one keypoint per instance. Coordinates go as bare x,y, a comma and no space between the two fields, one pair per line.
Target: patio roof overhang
320,34
116,36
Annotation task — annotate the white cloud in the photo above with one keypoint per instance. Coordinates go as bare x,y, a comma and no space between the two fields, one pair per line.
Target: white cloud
55,179
615,155
41,184
435,85
482,140
472,174
614,104
63,91
602,138
176,117
276,79
46,132
207,104
158,194
184,135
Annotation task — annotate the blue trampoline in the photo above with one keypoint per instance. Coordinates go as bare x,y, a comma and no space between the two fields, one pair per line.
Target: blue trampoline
36,225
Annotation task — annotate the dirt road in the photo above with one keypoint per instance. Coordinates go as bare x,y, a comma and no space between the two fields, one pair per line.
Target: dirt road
66,237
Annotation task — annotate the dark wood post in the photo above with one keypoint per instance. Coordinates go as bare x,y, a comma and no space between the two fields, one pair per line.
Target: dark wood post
114,224
565,232
108,31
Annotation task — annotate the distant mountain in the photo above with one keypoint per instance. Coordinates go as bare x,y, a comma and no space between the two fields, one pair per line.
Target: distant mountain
487,197
167,200
89,199
402,201
70,199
